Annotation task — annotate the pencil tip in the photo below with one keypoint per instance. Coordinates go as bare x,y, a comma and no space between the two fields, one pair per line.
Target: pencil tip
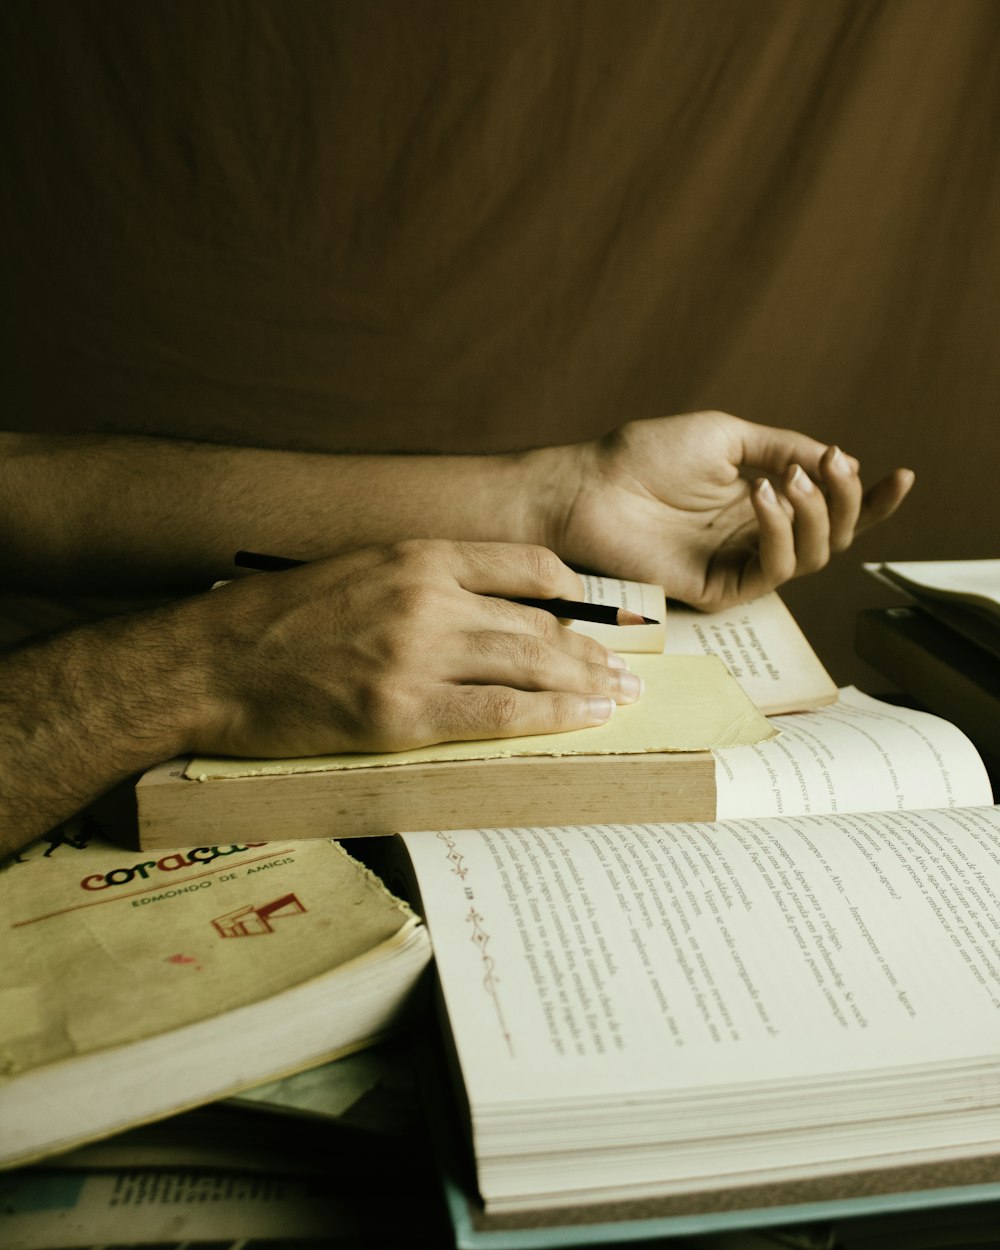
626,617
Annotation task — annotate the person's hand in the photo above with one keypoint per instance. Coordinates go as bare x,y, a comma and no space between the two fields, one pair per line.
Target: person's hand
715,509
395,647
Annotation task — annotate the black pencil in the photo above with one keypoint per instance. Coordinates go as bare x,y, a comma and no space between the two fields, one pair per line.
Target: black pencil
567,609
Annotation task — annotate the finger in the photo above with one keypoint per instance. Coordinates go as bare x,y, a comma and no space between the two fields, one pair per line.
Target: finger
881,500
811,523
517,618
511,569
776,561
525,662
839,474
466,713
770,450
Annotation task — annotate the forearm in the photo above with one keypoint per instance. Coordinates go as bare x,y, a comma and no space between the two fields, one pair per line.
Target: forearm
378,650
86,709
131,513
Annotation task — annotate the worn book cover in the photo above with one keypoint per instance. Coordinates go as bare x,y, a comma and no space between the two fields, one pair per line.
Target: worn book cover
184,975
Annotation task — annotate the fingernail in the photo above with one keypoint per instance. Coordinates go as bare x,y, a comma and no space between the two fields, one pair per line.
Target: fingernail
600,709
800,481
837,461
631,687
614,660
765,490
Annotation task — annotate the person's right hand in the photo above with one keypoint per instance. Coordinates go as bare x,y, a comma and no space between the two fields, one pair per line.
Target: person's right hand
394,647
714,509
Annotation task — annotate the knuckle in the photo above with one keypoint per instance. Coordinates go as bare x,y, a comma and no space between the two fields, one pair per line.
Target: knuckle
386,712
543,565
813,561
418,554
614,683
411,601
499,709
488,643
392,653
546,627
498,646
592,651
566,711
533,653
395,553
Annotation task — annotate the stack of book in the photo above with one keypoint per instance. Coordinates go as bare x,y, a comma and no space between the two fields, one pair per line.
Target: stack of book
943,647
770,1000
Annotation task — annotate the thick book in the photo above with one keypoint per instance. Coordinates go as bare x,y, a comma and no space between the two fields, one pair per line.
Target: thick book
955,1213
937,667
729,1017
134,985
653,761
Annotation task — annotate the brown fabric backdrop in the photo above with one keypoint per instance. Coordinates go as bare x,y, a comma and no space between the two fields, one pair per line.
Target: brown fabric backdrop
465,224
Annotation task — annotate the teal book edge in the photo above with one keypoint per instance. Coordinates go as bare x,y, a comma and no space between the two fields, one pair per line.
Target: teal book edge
472,1230
635,1232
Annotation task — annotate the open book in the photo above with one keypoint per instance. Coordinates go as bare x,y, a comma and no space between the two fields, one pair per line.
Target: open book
709,1017
652,761
962,594
134,986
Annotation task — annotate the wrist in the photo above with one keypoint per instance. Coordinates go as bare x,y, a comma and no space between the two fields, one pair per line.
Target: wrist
86,709
141,675
494,497
553,480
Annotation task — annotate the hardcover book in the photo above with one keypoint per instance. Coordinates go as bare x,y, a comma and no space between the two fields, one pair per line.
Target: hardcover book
653,761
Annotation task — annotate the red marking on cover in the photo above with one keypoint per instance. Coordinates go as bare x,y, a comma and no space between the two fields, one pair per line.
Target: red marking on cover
251,921
183,959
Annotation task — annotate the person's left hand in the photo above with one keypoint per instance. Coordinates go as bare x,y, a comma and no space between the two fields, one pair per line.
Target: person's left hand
715,509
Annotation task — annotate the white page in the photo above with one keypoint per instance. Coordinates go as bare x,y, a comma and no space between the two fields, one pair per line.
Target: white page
975,581
642,597
618,960
762,646
856,755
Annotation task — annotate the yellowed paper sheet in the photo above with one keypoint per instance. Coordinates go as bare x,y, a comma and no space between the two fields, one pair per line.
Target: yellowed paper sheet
691,704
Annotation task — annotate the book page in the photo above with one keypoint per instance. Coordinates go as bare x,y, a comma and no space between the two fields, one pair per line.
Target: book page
172,1208
859,754
619,961
642,597
764,649
975,582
